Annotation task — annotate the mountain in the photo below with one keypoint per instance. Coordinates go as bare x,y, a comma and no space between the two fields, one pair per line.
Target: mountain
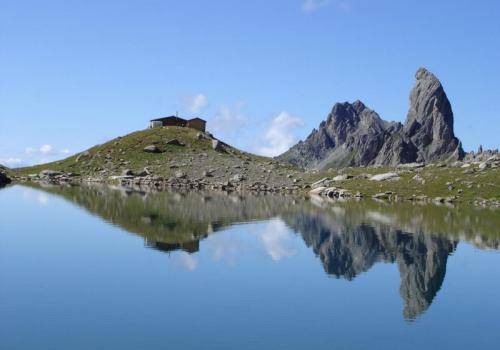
355,135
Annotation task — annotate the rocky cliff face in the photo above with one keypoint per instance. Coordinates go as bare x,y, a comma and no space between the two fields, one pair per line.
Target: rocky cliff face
354,135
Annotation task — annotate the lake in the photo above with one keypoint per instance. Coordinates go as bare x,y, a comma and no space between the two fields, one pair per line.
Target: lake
96,267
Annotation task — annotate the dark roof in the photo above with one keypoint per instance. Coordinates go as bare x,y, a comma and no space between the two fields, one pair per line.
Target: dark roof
167,118
196,118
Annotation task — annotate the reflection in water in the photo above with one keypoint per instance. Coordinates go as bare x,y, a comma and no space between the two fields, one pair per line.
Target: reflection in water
346,251
349,238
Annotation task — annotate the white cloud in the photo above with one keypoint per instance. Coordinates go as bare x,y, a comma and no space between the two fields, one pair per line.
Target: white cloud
46,149
275,237
279,136
196,103
314,5
10,162
65,151
29,150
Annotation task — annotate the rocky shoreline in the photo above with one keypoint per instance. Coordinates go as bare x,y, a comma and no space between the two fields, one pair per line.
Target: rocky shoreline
327,188
142,181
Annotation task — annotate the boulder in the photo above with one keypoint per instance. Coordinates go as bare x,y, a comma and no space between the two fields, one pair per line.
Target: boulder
174,142
324,182
180,174
238,178
484,166
49,173
127,172
217,145
151,149
342,177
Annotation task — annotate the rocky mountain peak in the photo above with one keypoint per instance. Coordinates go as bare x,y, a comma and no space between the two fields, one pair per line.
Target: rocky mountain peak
423,74
355,135
429,123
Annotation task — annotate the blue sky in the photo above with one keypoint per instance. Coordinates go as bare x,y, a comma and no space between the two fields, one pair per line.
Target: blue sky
263,73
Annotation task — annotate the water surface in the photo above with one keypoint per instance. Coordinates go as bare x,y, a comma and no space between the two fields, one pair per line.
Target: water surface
103,268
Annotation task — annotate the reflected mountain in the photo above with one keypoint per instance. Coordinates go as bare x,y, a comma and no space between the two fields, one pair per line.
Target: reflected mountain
348,237
346,251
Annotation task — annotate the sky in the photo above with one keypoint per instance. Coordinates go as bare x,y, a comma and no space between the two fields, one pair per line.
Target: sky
74,74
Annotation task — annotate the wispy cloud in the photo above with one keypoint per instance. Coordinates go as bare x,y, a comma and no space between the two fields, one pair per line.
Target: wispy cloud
230,124
11,162
196,103
314,5
34,155
280,135
46,149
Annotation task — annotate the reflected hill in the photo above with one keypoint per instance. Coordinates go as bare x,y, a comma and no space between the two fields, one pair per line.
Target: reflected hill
348,237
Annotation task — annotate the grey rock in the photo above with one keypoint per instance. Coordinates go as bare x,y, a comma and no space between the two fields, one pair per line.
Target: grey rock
217,145
180,174
127,172
49,173
174,142
324,182
342,177
484,166
238,178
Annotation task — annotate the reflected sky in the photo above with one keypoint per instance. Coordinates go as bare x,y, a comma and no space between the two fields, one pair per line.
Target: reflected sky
96,267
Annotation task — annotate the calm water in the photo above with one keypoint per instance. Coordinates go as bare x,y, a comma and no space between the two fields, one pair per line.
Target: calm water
101,268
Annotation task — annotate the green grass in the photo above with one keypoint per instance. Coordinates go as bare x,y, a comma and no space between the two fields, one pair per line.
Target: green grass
467,187
127,153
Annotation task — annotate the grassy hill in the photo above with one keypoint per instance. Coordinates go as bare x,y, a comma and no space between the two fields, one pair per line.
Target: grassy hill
195,157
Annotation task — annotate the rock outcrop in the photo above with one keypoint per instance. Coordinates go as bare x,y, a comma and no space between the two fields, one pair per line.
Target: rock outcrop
354,135
4,178
429,124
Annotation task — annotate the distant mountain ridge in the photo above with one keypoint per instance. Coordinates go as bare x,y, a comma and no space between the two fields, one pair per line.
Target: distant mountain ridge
354,135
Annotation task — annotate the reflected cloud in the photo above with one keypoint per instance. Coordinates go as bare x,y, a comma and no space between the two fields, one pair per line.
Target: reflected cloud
275,238
42,198
185,260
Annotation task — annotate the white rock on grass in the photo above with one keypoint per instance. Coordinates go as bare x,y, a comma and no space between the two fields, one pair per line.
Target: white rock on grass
341,177
322,183
385,177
